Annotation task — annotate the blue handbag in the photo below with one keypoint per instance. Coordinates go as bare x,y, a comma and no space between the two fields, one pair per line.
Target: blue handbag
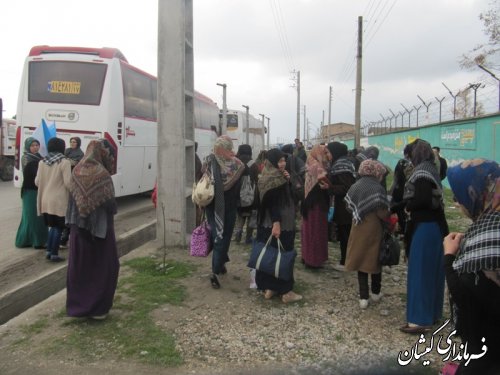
271,260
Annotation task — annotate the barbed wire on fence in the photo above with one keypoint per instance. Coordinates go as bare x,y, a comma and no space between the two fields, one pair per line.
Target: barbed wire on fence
439,109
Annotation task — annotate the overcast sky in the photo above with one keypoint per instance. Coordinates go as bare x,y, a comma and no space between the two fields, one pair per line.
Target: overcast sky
410,47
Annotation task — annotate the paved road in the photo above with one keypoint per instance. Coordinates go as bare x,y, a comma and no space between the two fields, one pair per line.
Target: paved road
21,266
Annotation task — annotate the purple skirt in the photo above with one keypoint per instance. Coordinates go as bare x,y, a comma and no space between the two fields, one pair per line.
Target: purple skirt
314,237
92,272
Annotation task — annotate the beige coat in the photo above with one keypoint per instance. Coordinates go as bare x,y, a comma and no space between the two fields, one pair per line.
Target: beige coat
364,243
53,187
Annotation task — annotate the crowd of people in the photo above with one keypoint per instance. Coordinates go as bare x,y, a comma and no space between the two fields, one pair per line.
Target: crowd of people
353,183
69,196
289,190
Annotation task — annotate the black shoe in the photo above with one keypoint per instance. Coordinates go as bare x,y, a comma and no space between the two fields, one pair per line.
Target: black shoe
214,281
56,258
223,271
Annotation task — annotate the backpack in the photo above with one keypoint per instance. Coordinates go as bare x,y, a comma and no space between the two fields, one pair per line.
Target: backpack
247,190
296,182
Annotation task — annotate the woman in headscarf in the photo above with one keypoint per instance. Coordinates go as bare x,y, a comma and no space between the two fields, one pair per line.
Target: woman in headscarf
74,152
342,175
426,228
472,264
226,170
244,213
276,218
314,208
53,179
32,230
93,258
367,200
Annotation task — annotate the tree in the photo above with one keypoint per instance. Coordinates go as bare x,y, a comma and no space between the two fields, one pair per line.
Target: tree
486,54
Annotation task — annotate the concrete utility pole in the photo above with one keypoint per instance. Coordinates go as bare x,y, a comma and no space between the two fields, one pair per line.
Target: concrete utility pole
224,108
268,133
357,116
247,124
322,125
305,125
175,213
298,105
263,131
330,98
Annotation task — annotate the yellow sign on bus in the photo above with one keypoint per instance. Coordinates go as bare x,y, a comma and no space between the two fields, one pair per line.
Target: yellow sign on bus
64,87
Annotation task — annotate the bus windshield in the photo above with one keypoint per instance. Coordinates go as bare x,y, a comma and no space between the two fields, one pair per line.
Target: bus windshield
66,82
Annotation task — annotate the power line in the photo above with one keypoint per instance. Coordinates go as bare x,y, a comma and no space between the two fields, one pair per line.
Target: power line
380,24
281,29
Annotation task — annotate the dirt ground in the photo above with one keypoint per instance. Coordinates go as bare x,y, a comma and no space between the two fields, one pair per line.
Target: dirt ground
327,293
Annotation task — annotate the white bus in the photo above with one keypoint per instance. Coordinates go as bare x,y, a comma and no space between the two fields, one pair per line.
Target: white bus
95,93
236,129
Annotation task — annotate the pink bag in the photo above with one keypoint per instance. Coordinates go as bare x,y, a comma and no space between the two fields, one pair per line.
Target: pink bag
449,369
200,241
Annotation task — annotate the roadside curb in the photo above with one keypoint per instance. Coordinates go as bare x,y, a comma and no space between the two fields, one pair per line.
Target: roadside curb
34,291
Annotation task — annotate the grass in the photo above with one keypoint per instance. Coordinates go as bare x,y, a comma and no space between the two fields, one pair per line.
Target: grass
130,332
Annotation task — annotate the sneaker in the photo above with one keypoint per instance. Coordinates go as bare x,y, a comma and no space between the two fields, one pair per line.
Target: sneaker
363,303
268,293
291,297
56,258
377,297
63,246
339,267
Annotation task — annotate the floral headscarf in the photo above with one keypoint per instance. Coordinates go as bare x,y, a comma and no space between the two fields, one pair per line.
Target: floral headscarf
230,166
372,168
476,185
316,167
91,183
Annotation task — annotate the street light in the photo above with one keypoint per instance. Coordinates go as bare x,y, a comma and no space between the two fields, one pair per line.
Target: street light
247,125
224,108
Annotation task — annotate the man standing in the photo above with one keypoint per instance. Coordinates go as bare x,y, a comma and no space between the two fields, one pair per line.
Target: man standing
443,165
300,151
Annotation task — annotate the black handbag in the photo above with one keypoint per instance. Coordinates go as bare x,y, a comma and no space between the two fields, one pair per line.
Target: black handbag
271,260
389,249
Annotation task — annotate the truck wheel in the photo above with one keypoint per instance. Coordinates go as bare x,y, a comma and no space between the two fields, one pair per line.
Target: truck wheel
6,169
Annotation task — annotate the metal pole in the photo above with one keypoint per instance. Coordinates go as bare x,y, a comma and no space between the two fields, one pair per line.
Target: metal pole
454,101
440,102
357,115
494,76
417,109
247,124
395,120
263,139
475,87
224,108
268,133
297,133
